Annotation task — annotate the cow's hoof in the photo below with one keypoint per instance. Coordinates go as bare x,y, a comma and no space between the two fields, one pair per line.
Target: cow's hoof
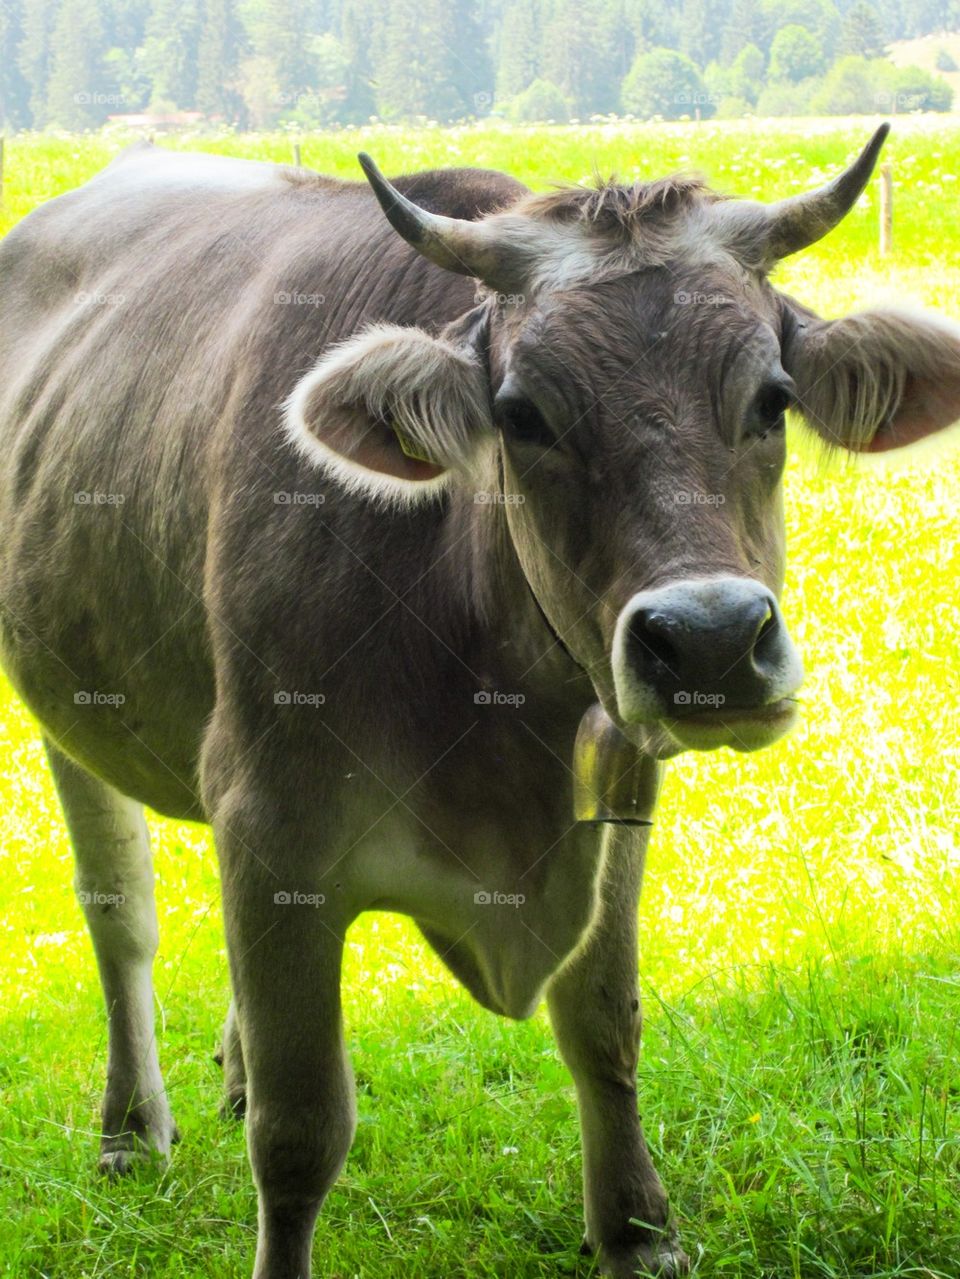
234,1104
663,1259
123,1161
143,1145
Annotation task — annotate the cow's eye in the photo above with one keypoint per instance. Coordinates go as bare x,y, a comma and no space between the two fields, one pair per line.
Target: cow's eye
769,407
522,422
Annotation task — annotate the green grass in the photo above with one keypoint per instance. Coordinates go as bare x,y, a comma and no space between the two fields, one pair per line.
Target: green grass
801,921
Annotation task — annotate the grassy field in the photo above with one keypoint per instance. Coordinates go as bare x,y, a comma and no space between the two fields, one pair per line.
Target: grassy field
801,921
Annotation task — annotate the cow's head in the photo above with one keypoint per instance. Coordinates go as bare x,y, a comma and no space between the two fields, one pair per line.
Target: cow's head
627,376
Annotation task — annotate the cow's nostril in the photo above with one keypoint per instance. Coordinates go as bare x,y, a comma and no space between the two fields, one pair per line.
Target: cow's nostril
650,633
767,635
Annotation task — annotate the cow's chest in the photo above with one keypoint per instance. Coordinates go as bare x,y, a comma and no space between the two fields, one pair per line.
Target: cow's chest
502,910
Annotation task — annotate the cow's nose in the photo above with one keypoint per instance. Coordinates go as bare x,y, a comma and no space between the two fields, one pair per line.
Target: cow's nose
700,645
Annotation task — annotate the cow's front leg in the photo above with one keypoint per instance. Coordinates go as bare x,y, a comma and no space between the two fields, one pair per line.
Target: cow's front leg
595,1009
285,945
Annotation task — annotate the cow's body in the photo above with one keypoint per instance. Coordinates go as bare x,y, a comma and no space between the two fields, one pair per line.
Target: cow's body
201,595
298,664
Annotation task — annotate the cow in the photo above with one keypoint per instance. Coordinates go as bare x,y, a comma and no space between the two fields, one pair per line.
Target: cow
401,531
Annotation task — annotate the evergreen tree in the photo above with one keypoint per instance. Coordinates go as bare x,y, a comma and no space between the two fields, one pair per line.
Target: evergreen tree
76,98
128,87
330,73
14,91
419,71
472,67
170,52
362,30
743,27
582,53
892,18
651,23
693,31
820,17
519,48
34,57
281,34
218,53
125,22
921,16
701,30
862,34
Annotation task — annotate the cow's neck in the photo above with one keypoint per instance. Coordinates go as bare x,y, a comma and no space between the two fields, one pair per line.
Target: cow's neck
518,643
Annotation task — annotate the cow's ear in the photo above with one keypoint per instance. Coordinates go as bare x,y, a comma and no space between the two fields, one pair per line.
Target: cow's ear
875,381
394,412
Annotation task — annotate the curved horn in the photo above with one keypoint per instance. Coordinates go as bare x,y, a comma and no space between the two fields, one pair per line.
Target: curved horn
795,223
801,220
453,243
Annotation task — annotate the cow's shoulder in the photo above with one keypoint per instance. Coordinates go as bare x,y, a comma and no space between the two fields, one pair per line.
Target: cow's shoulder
144,167
142,192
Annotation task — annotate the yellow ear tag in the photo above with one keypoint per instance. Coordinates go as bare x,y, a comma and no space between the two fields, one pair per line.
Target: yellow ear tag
411,449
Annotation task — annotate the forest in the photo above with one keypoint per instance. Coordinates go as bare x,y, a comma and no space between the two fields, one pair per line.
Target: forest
256,64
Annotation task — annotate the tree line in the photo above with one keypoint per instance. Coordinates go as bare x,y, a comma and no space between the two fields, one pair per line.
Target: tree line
264,63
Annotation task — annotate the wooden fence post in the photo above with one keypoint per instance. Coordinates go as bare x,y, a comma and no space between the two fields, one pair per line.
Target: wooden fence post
296,155
886,210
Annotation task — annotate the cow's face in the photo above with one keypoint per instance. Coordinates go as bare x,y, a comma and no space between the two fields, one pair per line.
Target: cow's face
628,377
642,422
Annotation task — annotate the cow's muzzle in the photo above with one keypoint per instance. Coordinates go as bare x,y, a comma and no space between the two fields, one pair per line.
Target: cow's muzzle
709,659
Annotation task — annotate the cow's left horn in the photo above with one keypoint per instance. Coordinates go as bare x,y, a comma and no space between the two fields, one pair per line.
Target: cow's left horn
793,224
453,243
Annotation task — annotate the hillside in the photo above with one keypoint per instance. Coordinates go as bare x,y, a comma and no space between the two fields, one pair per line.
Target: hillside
922,52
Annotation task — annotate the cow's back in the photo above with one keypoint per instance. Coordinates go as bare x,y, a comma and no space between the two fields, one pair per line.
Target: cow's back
151,323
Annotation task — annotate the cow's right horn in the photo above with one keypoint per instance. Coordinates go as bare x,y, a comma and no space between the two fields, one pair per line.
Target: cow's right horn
770,232
469,248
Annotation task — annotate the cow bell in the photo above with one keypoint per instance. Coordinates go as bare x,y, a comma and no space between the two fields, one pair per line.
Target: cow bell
610,782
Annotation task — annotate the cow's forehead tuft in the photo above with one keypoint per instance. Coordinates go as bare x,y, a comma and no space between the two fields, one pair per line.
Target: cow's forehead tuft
609,205
576,235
